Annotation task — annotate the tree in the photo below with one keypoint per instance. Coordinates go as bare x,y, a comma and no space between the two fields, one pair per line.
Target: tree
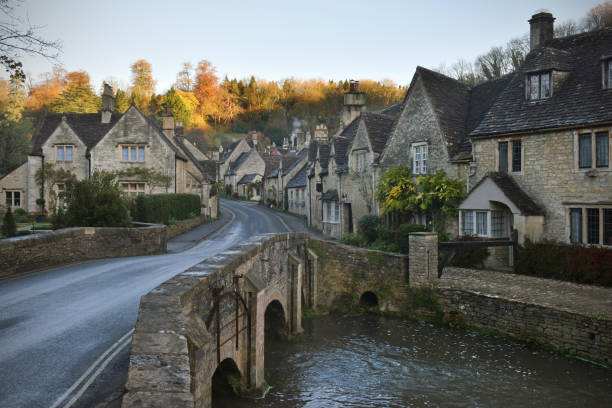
205,89
47,177
181,112
9,227
599,17
77,96
46,92
122,101
184,79
143,85
395,189
18,38
14,143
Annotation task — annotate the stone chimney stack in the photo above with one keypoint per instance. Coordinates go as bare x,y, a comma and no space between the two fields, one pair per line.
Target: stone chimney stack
168,122
354,103
108,103
541,29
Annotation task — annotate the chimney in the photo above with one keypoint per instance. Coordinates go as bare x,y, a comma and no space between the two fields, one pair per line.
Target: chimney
541,29
354,103
108,103
168,122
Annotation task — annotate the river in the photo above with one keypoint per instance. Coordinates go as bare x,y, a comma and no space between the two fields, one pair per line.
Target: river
374,361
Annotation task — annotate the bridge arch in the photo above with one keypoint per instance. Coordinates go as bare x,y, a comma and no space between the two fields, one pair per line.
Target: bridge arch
226,382
368,299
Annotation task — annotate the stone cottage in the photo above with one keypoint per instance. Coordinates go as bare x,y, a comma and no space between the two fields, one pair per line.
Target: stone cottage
130,143
542,150
249,167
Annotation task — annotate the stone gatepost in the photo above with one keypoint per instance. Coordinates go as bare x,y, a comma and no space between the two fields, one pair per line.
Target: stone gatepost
296,271
423,258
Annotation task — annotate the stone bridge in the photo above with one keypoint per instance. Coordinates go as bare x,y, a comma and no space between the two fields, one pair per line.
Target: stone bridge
209,322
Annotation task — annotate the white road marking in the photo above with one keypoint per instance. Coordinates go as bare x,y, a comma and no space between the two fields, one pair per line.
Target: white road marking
283,222
90,369
96,374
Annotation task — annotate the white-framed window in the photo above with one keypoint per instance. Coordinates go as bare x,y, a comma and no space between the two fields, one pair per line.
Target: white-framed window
60,193
484,223
419,158
64,153
593,149
539,86
590,225
361,160
13,198
131,189
132,153
331,212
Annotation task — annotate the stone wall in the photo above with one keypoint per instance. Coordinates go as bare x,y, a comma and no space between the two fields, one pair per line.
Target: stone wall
550,175
344,273
69,245
185,225
590,336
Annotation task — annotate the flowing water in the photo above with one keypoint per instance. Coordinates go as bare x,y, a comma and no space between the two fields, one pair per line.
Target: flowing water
373,361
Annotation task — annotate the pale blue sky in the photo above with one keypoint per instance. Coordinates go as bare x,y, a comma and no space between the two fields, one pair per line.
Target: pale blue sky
279,39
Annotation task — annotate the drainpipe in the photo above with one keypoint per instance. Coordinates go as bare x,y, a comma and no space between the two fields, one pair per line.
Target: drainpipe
175,175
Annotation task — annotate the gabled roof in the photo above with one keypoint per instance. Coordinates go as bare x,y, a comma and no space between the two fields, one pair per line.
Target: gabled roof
299,180
272,162
378,127
391,110
340,148
209,169
514,193
578,100
303,153
247,178
87,126
312,150
236,163
287,160
323,155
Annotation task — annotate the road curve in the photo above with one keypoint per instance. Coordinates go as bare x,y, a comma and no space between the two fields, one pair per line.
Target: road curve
56,325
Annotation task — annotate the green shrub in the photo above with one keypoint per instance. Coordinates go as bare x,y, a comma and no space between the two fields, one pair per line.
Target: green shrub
21,216
352,239
162,208
368,227
574,263
95,202
9,227
470,257
402,235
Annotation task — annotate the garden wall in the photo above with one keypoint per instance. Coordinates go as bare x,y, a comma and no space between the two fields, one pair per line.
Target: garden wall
25,254
183,226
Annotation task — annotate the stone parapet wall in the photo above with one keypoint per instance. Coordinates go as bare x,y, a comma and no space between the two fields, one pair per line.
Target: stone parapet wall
589,336
344,273
185,225
69,245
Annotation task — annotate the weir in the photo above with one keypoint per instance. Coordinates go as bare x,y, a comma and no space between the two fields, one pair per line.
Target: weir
208,323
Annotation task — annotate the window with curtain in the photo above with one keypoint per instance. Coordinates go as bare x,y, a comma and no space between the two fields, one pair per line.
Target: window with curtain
584,151
468,222
481,223
517,162
576,225
593,225
602,149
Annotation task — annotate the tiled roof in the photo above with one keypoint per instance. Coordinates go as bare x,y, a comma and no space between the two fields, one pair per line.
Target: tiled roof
236,163
272,162
579,100
87,126
298,158
391,110
312,150
247,178
330,195
323,155
378,127
515,194
287,160
341,145
209,169
299,180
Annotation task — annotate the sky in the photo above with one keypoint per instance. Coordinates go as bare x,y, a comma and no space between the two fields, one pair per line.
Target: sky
333,39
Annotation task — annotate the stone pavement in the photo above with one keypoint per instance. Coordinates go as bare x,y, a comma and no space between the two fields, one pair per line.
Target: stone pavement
594,301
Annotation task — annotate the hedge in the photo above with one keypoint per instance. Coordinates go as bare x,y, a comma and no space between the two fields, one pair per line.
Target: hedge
573,263
165,208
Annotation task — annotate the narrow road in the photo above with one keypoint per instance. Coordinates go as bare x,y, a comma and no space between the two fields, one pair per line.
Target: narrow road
65,324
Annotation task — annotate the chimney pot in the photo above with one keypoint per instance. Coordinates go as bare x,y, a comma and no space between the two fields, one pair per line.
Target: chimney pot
541,29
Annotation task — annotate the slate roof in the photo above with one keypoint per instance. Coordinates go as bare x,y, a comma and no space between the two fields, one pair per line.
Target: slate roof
298,157
391,110
87,126
578,101
209,169
287,160
514,193
247,178
312,150
378,127
272,162
299,180
330,195
324,155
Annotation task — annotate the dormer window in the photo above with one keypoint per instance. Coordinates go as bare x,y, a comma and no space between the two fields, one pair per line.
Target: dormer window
538,86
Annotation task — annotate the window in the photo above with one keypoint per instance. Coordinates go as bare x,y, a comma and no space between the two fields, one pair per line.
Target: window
419,159
481,223
133,189
516,156
575,225
64,153
60,192
599,155
607,74
331,212
468,222
595,222
13,198
539,86
497,224
132,153
503,157
360,161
